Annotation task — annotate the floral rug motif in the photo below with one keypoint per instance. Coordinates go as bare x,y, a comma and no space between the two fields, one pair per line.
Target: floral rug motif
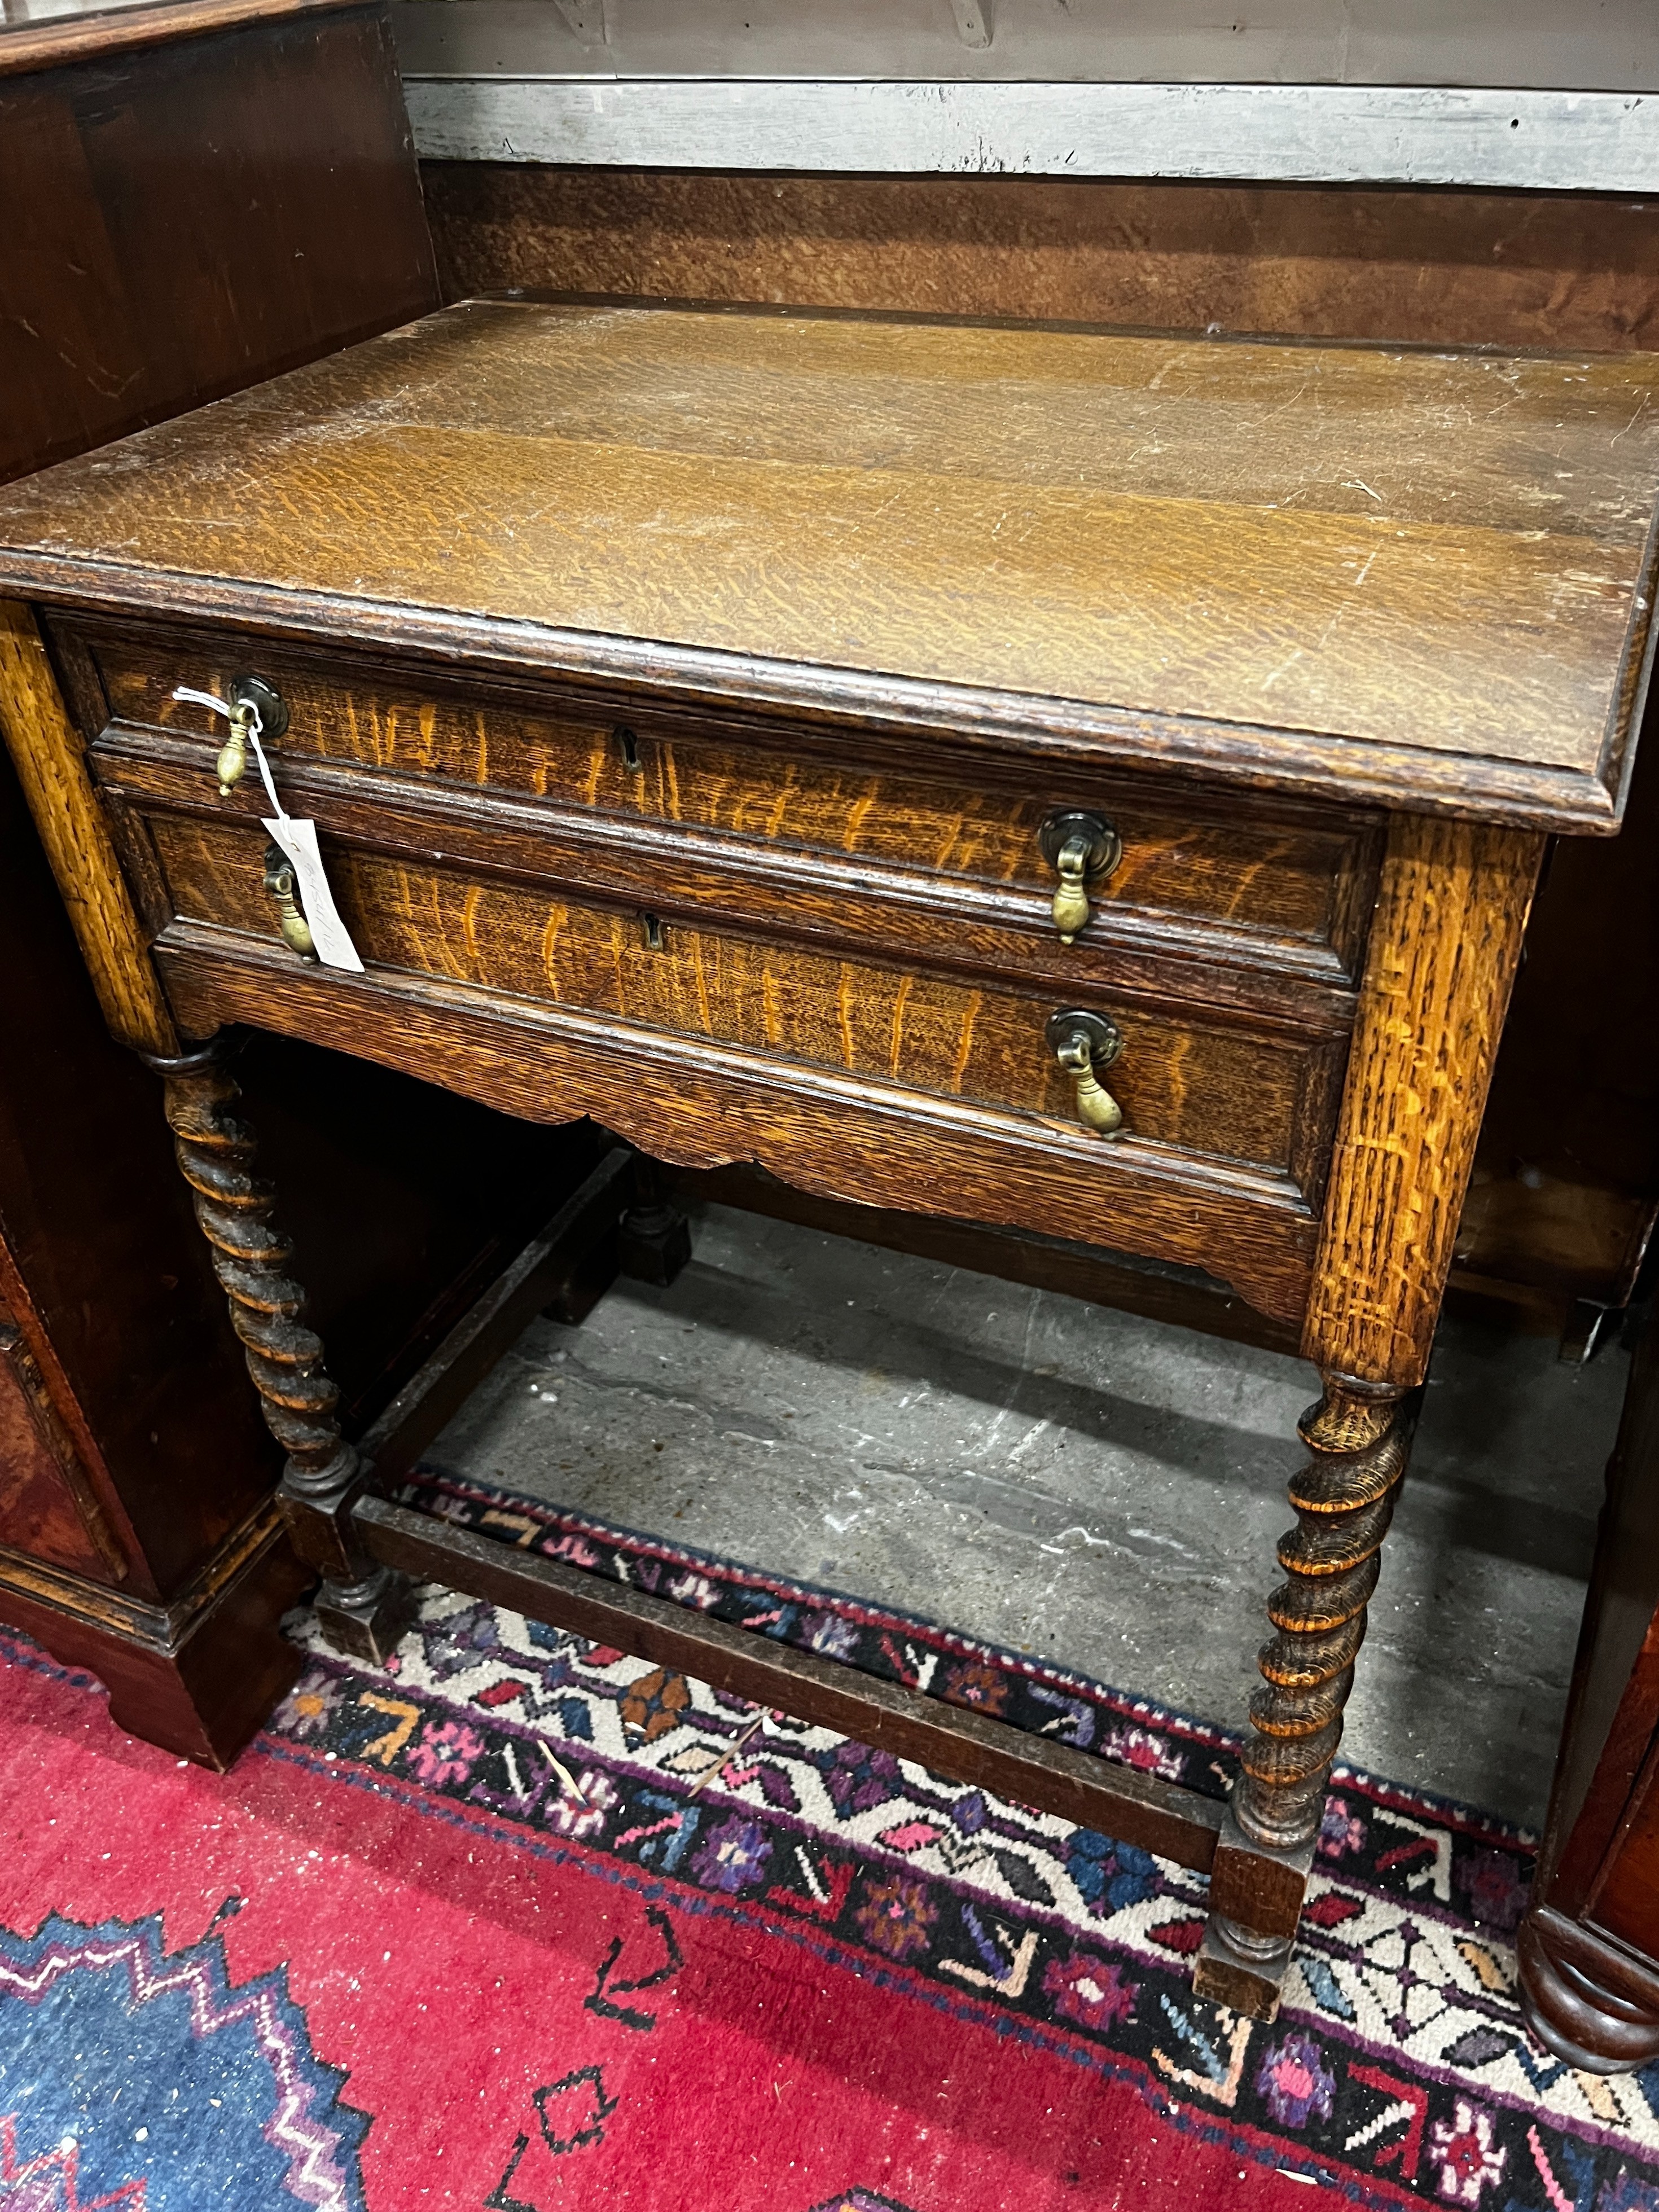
1399,2064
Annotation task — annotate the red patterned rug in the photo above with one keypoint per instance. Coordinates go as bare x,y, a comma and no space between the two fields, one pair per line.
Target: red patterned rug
518,1922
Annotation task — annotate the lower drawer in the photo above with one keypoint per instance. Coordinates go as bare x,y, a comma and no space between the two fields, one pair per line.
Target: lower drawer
1215,1092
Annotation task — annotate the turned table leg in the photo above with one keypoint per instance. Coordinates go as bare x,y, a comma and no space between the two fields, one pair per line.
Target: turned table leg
654,1242
1444,943
364,1607
1357,1437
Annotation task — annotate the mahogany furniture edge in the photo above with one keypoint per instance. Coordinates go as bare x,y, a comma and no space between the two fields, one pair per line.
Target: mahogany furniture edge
1588,1945
197,1674
97,34
1350,771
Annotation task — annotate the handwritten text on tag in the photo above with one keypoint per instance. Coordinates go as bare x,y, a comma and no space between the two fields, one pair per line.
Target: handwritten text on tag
328,934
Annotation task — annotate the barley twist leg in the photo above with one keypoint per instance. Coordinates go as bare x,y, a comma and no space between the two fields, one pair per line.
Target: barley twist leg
364,1607
1358,1436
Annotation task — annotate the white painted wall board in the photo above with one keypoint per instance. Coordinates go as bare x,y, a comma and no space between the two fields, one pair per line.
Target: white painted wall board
1526,140
1552,45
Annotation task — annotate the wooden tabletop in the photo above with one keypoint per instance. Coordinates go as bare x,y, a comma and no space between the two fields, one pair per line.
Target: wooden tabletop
1413,577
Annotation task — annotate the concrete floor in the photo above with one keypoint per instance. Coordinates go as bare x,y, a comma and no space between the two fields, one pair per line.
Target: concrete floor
1104,1490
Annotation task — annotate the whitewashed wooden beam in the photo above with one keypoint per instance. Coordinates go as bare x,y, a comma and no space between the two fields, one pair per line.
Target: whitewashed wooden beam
1584,141
975,25
586,19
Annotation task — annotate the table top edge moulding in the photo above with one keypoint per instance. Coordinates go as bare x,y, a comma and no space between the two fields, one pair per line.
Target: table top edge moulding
867,588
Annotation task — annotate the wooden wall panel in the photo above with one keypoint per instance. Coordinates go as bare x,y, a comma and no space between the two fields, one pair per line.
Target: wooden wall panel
1437,266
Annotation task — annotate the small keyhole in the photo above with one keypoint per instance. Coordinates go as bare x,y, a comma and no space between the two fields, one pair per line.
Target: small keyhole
653,932
629,746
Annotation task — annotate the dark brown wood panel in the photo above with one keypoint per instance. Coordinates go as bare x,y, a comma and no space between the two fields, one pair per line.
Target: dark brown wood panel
103,171
1290,881
1441,267
40,1512
1224,1093
1589,1945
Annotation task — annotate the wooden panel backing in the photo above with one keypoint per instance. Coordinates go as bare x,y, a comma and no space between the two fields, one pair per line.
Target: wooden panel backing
1294,882
1444,948
1116,1801
1232,1093
1443,267
88,31
247,139
1280,555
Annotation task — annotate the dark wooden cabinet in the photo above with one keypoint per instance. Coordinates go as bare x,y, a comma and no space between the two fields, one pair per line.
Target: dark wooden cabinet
1589,1946
197,198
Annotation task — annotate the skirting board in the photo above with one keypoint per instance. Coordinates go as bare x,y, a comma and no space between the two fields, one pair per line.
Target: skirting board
1581,142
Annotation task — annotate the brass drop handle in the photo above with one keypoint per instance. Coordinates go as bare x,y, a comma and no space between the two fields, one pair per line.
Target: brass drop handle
1082,1042
232,764
252,707
279,882
1082,849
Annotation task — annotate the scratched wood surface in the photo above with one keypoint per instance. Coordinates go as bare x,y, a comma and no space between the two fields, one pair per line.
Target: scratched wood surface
1300,562
1285,876
1229,1093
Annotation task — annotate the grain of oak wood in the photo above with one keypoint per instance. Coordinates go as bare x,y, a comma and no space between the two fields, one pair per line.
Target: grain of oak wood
1272,875
1291,562
940,920
52,770
696,1104
1575,1093
1232,1094
1445,946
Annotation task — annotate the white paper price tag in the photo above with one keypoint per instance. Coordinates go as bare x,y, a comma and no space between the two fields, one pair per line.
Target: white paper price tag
329,935
331,939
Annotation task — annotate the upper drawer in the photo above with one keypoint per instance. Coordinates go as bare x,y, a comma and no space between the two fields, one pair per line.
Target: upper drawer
1256,884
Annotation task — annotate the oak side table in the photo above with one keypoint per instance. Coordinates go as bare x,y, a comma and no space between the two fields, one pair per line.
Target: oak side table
1086,784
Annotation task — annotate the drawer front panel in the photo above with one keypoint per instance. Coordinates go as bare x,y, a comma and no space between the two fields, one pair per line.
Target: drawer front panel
1295,883
1225,1092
